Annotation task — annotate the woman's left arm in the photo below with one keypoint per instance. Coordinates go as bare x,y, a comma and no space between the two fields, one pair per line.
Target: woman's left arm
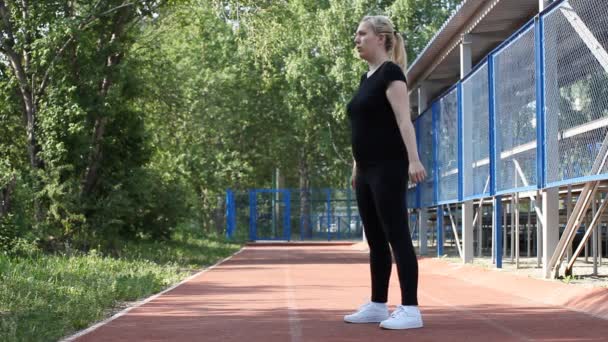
398,97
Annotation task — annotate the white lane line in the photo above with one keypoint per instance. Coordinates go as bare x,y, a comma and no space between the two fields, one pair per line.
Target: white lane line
144,301
482,318
295,327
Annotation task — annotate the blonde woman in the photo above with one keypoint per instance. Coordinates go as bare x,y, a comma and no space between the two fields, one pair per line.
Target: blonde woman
385,153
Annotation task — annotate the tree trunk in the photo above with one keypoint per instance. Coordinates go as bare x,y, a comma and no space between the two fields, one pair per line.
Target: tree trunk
91,175
220,215
19,62
96,156
5,196
306,227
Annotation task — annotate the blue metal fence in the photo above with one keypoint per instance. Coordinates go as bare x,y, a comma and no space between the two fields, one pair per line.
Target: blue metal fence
270,214
231,214
447,147
575,89
426,146
293,214
475,134
532,114
547,83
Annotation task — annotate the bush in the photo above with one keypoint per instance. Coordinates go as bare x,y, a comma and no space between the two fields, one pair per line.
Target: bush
8,233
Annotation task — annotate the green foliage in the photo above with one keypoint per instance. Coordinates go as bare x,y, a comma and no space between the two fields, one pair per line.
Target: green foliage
8,233
43,298
144,113
141,114
123,124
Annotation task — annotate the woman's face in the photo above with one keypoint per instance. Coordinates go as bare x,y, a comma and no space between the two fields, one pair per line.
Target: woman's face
367,42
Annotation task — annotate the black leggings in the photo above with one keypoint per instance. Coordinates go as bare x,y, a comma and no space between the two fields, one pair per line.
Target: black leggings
381,196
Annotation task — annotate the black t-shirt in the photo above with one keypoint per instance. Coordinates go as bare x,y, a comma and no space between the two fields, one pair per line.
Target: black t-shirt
375,132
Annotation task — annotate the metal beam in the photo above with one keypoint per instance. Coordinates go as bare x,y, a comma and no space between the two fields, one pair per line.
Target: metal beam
455,231
569,133
489,36
585,33
581,206
591,229
480,13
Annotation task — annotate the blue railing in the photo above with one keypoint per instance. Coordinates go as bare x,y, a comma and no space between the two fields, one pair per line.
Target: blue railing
547,83
293,214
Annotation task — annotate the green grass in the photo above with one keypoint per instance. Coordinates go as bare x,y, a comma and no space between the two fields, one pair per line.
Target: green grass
46,297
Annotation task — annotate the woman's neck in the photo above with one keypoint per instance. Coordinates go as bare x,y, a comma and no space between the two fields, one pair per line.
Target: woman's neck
375,63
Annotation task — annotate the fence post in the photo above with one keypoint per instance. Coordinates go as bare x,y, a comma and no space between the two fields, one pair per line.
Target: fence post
287,214
230,214
348,208
252,215
328,192
498,227
439,238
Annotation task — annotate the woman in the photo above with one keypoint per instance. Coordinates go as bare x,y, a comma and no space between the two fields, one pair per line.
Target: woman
384,150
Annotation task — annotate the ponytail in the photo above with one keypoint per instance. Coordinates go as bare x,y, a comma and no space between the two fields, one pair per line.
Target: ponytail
399,55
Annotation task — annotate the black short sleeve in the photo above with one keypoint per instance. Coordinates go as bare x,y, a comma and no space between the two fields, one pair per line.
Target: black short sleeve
392,72
375,132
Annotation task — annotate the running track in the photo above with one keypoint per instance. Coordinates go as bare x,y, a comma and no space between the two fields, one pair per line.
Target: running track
300,293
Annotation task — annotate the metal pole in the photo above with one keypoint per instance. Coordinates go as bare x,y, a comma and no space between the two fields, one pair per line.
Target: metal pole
422,231
328,214
480,230
498,226
586,229
492,239
440,230
594,243
539,231
504,231
600,246
568,213
529,229
517,229
512,228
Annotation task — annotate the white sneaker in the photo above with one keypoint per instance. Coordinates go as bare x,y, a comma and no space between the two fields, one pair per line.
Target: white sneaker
404,317
368,313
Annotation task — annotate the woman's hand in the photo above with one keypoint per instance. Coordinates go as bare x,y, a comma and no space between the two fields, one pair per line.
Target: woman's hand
352,177
417,172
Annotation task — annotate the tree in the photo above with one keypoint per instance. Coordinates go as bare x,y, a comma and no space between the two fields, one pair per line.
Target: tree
125,119
63,57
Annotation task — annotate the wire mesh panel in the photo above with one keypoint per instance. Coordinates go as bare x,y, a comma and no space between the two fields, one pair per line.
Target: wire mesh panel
575,40
447,148
515,113
413,224
426,145
230,214
241,213
343,220
271,213
325,214
307,205
412,197
476,134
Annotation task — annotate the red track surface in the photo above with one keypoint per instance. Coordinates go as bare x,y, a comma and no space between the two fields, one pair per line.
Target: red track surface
300,293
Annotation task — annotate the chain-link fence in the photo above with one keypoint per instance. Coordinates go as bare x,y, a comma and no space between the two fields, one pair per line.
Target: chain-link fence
293,215
559,60
426,147
476,134
533,114
447,147
575,37
515,113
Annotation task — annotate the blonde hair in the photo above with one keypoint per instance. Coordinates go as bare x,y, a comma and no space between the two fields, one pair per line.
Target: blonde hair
394,44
